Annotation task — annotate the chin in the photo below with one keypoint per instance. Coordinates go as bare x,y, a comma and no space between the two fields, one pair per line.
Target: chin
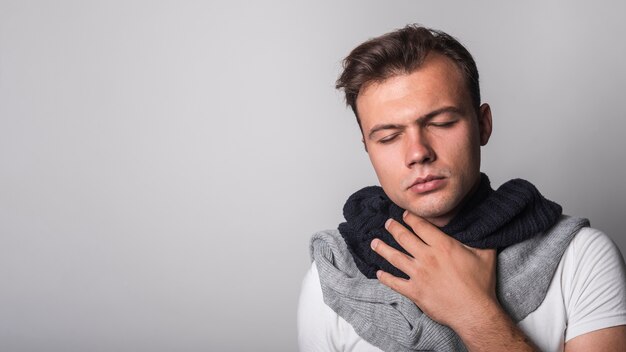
430,213
439,207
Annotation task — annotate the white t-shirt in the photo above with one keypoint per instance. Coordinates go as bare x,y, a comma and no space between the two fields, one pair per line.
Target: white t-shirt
587,293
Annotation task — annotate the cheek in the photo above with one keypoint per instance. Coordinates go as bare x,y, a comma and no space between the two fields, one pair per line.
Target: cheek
464,149
386,164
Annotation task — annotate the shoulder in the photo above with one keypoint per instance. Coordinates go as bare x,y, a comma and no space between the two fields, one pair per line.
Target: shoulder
587,292
592,251
319,327
593,281
589,240
317,323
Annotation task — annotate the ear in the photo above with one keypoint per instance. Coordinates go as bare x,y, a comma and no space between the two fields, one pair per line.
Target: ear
484,123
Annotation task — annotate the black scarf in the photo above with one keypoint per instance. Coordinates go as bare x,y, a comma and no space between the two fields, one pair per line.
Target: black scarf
489,219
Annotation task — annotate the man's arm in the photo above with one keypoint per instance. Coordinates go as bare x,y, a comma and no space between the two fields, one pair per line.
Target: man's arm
452,283
606,340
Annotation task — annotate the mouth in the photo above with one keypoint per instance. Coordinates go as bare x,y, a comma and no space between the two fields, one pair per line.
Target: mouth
427,184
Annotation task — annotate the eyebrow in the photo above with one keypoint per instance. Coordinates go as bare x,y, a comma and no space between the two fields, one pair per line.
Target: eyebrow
428,116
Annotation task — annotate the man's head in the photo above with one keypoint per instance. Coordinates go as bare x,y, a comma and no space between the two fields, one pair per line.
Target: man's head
416,96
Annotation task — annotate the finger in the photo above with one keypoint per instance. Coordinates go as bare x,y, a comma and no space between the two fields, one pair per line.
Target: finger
405,238
427,232
398,259
393,282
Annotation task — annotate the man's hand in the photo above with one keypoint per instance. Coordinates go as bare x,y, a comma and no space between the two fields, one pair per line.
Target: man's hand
450,282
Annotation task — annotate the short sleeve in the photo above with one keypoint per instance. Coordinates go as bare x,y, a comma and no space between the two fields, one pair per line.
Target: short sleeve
315,319
594,286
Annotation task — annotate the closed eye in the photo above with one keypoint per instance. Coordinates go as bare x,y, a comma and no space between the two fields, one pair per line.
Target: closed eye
443,124
388,139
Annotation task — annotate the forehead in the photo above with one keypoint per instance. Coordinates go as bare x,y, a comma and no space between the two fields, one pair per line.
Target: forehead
438,82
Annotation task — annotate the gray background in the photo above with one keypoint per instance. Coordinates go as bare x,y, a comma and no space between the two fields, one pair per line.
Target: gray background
163,164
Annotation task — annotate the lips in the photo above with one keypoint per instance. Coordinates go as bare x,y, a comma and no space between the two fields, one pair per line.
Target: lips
427,184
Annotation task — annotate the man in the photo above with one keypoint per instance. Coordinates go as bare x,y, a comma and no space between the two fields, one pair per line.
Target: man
436,259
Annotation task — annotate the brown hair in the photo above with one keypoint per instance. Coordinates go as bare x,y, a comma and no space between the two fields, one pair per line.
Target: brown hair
401,52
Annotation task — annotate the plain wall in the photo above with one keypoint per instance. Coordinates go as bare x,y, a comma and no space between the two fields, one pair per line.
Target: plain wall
163,164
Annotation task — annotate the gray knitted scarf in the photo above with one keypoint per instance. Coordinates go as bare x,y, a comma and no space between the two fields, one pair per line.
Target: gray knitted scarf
391,322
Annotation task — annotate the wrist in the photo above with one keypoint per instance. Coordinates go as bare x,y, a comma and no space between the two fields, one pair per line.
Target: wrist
489,328
480,315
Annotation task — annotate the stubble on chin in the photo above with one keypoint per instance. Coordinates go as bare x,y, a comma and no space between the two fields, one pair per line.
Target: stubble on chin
434,208
437,208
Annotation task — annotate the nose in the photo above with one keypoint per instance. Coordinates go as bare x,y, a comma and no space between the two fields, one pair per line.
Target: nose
418,149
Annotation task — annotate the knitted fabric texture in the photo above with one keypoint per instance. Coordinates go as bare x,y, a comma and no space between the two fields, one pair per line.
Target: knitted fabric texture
391,322
489,219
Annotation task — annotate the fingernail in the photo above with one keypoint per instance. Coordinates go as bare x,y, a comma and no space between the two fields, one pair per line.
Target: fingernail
374,243
378,273
404,215
388,222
